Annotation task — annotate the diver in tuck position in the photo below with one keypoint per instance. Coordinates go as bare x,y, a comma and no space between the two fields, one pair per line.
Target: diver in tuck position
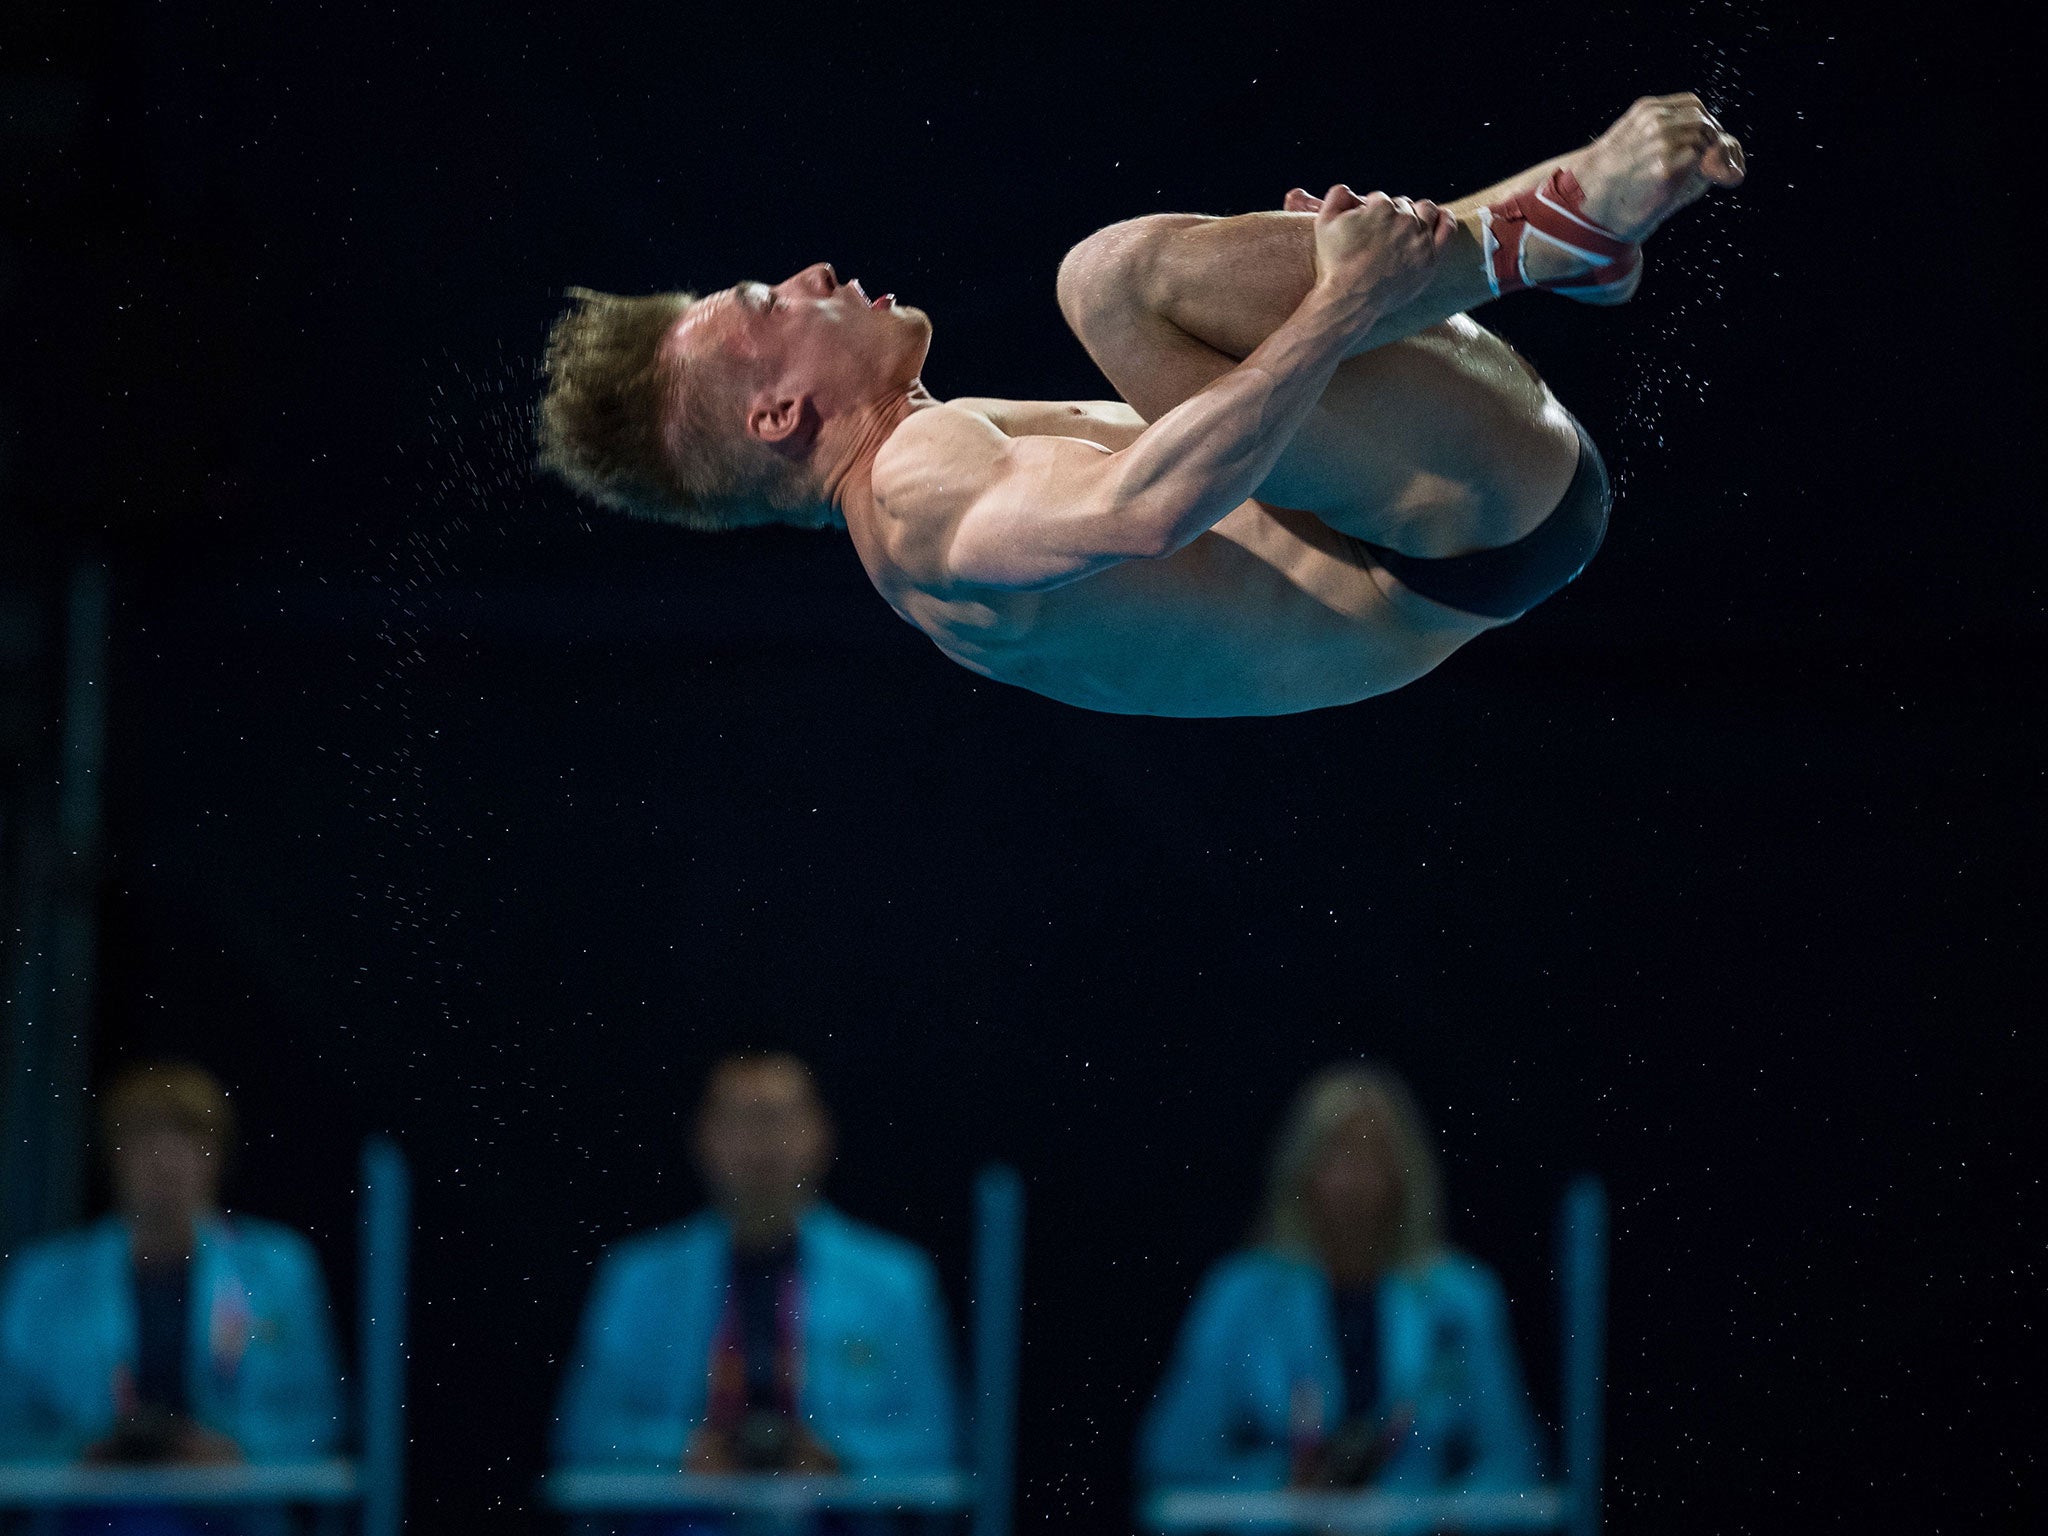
1322,479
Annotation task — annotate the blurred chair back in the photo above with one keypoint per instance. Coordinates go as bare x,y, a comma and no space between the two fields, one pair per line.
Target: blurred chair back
1582,1284
385,1250
998,1320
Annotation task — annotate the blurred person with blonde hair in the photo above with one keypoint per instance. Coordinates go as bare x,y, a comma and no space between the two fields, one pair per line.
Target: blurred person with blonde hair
170,1330
1348,1346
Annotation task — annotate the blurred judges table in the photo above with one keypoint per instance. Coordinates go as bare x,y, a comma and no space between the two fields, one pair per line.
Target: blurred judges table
371,1486
1366,1513
325,1488
788,1502
761,1502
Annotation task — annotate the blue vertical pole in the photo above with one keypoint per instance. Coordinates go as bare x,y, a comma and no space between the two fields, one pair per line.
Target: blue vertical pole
49,1012
1582,1277
386,1241
998,1326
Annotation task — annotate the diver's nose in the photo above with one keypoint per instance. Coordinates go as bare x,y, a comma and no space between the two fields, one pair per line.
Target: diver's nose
823,273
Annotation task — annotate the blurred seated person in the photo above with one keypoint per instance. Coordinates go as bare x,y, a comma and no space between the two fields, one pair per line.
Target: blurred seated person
770,1333
169,1331
1349,1347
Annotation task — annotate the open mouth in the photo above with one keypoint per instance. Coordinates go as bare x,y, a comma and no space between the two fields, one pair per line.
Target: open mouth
885,301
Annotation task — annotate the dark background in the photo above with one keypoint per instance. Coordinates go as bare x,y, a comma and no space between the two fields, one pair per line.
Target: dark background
444,807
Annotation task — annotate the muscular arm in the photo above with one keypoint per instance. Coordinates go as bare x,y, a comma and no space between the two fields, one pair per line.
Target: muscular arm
1050,510
1037,512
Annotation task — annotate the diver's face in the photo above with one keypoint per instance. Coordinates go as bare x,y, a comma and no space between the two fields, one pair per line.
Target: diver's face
1354,1183
814,337
763,1141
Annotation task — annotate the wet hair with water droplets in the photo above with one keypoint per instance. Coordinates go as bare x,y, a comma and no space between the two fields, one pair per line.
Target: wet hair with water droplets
632,424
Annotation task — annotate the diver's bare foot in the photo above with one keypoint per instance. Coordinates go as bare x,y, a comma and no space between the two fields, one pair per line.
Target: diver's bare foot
1664,153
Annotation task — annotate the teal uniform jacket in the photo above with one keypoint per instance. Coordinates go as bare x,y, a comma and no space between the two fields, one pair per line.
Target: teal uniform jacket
259,1363
875,1378
1259,1363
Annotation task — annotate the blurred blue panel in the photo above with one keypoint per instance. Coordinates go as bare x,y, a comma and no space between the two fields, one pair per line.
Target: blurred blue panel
998,1321
386,1243
1582,1276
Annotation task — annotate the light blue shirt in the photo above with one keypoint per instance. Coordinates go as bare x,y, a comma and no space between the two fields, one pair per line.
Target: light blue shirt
875,1379
1260,1353
260,1361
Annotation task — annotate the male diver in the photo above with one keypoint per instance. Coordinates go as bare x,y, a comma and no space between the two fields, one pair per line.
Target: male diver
1321,480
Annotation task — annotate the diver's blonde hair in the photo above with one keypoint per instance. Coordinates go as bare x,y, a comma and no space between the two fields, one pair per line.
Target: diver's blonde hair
626,421
1325,1102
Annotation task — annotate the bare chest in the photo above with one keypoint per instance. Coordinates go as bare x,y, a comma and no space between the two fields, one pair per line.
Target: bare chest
1269,612
1253,618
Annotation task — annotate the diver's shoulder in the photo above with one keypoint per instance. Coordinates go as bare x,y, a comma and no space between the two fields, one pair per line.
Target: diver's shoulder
940,423
938,455
988,407
1109,423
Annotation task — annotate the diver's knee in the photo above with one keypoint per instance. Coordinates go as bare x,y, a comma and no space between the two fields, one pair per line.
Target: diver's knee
1120,271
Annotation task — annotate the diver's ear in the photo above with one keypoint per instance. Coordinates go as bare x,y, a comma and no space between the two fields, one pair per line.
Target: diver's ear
785,421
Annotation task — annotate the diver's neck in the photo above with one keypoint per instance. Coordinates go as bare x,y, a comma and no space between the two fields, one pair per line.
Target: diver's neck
862,436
